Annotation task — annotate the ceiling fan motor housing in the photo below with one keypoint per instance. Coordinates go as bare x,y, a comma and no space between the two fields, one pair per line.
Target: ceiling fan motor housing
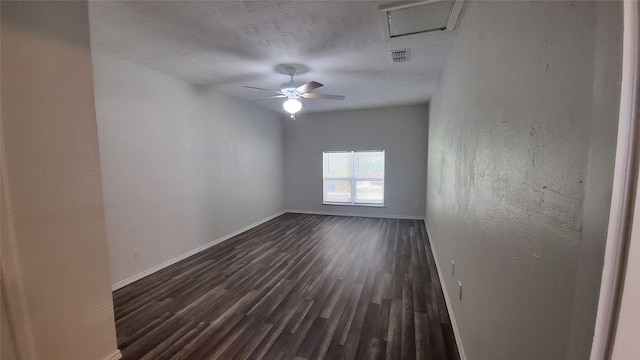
290,86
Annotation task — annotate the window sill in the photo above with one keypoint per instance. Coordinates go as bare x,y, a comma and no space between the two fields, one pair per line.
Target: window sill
364,205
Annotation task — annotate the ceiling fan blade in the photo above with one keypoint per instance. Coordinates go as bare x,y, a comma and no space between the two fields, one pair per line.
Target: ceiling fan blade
308,87
257,88
322,96
270,97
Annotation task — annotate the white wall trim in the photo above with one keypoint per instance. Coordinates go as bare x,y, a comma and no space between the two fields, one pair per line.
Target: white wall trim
115,356
174,260
454,324
312,212
622,197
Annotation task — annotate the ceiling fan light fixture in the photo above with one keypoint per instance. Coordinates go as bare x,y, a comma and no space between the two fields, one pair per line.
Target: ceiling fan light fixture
292,106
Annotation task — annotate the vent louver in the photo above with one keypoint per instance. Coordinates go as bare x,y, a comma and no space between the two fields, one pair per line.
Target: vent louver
400,55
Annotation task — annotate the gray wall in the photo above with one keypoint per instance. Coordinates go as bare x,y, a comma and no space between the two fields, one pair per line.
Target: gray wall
400,131
521,148
181,166
55,271
7,344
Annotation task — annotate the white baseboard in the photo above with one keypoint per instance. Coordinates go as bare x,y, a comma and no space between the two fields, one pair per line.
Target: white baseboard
174,260
410,217
115,356
447,300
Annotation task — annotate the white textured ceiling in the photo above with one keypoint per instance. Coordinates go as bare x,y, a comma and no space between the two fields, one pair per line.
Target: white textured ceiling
227,44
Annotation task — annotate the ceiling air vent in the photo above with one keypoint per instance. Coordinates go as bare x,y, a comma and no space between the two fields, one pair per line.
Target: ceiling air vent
400,55
407,18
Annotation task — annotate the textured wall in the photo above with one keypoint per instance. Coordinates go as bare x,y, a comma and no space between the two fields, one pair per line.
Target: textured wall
400,131
181,166
55,266
521,146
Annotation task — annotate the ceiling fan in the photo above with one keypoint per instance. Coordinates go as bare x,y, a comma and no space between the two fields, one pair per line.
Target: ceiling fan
293,91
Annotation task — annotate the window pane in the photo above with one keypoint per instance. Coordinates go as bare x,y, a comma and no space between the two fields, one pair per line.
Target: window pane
369,165
369,192
337,165
337,191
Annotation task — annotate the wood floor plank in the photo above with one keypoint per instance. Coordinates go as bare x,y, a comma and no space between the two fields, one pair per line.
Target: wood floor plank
252,342
300,287
394,332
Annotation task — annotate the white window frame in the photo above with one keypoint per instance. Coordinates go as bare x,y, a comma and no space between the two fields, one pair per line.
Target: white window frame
353,179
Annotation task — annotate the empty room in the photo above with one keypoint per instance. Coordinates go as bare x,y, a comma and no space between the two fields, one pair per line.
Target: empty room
439,179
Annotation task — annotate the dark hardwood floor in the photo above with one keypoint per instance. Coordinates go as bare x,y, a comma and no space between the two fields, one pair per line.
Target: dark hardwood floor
297,287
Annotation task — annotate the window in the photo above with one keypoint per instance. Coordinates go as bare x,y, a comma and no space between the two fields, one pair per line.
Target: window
353,177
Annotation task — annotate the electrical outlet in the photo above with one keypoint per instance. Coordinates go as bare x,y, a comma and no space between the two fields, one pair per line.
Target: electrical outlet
137,253
453,268
460,289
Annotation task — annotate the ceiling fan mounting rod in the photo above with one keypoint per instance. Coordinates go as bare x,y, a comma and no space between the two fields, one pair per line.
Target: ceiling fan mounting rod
291,70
